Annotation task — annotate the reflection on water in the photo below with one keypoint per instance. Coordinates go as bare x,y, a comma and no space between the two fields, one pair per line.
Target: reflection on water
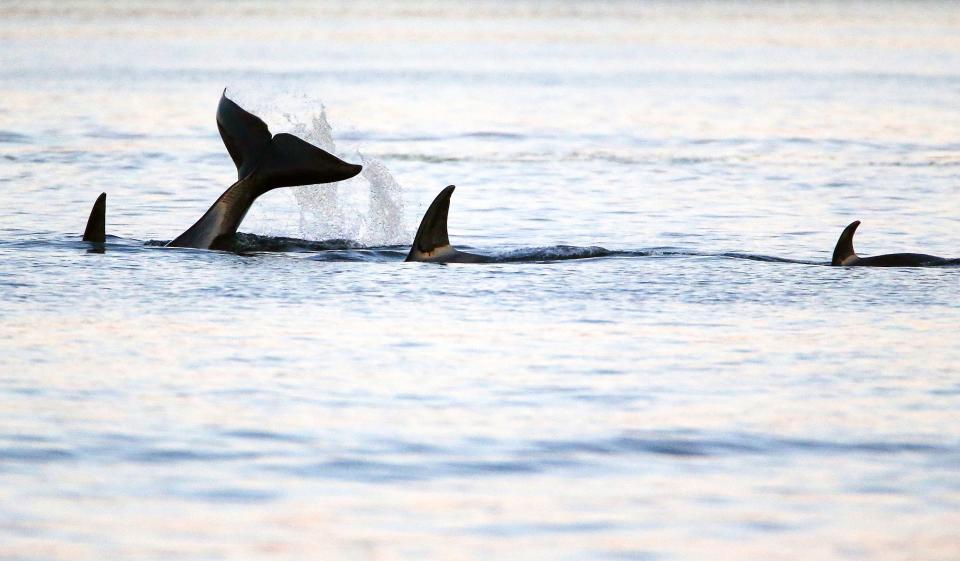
700,386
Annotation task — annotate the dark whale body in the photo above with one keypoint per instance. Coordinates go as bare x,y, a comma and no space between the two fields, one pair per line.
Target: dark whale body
845,256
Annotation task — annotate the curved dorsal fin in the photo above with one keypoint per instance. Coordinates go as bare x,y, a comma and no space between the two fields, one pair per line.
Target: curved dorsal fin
96,230
844,249
432,233
244,134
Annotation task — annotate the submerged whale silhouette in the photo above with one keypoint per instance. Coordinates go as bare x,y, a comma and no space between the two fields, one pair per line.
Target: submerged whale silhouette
845,256
264,162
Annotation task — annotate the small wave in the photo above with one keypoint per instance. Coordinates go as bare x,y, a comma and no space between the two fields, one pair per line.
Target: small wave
373,471
374,255
497,458
684,445
424,158
235,495
10,137
115,135
34,455
424,137
657,445
521,530
551,253
263,435
353,469
164,456
570,252
495,467
493,134
768,258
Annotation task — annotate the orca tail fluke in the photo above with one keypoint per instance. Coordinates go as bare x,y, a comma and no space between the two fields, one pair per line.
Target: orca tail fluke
244,134
844,249
432,235
96,230
284,160
292,161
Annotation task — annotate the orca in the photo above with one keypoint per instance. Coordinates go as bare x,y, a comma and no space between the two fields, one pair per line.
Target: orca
96,230
845,256
432,244
264,162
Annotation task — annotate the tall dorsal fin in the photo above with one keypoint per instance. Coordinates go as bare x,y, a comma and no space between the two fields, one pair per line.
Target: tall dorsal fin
244,134
844,249
432,233
96,230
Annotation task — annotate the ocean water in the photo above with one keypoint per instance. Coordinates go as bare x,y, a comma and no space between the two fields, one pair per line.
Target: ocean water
700,386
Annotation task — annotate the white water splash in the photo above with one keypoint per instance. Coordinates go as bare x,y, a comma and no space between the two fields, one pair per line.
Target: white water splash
384,219
339,210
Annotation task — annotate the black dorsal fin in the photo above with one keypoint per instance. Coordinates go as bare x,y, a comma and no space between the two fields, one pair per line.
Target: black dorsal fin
432,233
96,225
844,249
244,134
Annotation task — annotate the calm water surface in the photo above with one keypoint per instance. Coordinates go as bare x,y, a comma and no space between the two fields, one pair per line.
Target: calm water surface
702,387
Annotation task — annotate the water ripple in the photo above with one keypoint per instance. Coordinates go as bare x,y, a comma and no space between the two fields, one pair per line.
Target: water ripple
10,137
35,455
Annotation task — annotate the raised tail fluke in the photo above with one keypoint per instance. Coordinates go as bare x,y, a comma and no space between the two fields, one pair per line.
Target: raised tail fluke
244,134
843,253
263,162
282,160
291,161
432,240
96,230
